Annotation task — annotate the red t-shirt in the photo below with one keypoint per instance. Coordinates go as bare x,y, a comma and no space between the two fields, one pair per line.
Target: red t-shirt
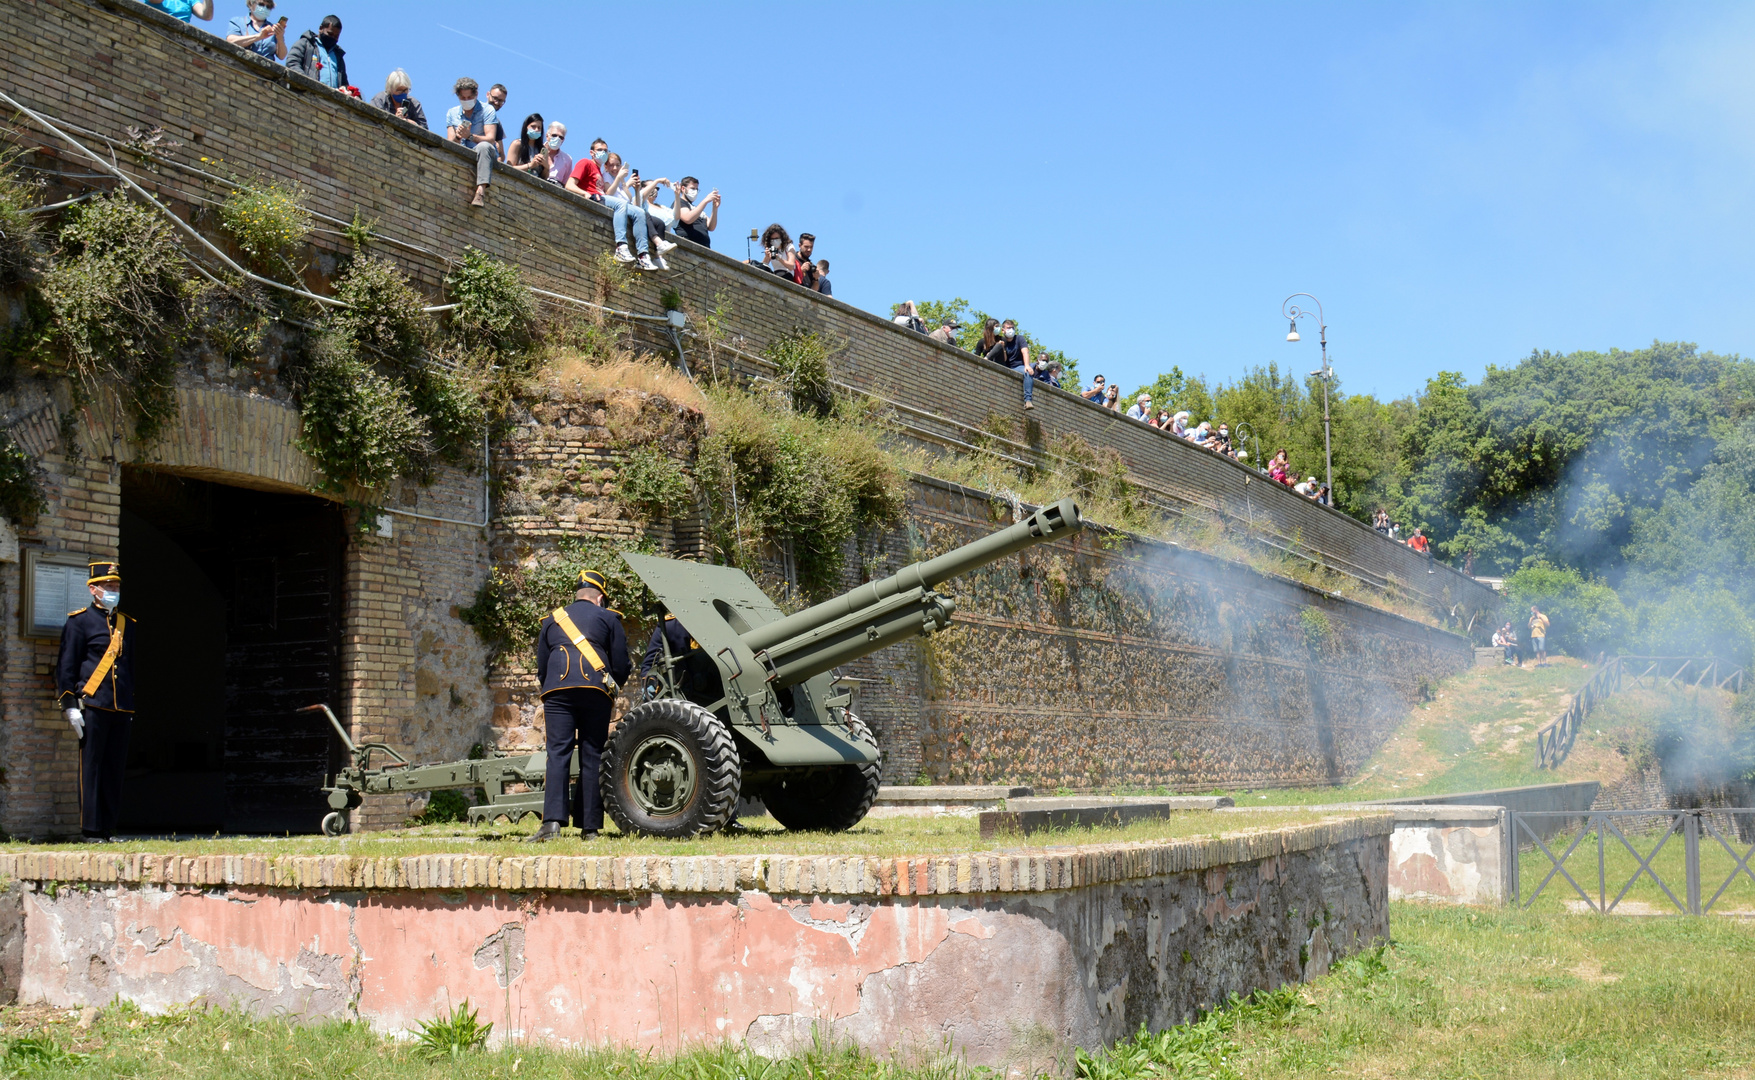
587,176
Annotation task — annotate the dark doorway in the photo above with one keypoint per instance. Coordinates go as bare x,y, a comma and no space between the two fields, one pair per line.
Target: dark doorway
238,594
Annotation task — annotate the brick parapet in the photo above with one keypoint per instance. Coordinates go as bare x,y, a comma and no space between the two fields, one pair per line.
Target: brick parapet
967,873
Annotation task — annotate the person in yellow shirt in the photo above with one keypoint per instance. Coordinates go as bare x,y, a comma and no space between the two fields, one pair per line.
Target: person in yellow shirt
1539,636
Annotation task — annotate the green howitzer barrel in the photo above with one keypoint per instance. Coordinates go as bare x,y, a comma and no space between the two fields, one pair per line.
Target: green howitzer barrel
880,613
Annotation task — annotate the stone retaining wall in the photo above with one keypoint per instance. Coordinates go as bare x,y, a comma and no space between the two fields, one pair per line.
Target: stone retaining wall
1012,959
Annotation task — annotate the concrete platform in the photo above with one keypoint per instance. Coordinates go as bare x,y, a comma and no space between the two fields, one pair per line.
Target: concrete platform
921,800
1010,958
1026,816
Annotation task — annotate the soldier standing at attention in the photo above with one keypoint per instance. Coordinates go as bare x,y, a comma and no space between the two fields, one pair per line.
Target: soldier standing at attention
95,678
581,660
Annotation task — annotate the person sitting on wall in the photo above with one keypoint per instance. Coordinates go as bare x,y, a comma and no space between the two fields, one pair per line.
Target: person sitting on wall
183,9
1013,351
560,163
318,54
778,254
1419,542
398,102
1142,408
1506,639
1306,488
472,123
696,218
1112,398
528,153
906,314
581,662
823,278
258,32
804,270
1048,371
588,179
1097,390
95,678
947,332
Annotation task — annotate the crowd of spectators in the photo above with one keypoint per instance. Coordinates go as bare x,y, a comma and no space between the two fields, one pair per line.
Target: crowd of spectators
644,225
780,256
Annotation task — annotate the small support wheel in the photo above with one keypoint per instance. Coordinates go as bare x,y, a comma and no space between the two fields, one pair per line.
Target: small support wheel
334,823
829,798
671,769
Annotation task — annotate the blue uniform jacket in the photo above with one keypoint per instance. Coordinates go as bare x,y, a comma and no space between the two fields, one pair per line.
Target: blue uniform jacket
559,666
84,640
681,644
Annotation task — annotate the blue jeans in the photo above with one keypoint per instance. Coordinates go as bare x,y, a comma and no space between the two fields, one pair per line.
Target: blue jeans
626,212
1029,385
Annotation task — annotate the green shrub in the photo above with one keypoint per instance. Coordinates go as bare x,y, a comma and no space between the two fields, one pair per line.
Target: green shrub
652,485
359,425
495,310
452,404
1701,620
119,306
513,600
21,490
1317,629
385,317
801,360
21,241
266,219
785,478
1585,616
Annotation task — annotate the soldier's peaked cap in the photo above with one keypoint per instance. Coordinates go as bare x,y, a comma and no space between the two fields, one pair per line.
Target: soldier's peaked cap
103,570
591,579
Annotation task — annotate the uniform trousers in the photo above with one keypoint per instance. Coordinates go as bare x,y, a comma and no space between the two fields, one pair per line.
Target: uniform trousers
103,754
575,717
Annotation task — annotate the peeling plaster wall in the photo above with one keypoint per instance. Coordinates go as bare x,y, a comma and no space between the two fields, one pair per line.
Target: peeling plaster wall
1010,980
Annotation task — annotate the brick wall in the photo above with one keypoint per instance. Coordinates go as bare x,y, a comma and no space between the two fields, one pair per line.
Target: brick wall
110,64
416,677
1109,660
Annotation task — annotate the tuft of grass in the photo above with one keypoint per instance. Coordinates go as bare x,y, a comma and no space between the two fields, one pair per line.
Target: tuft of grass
452,1035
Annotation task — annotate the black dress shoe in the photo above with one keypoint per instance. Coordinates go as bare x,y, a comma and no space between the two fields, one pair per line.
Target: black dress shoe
549,830
592,835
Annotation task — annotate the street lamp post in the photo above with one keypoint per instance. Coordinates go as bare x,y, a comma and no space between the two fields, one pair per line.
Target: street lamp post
1292,313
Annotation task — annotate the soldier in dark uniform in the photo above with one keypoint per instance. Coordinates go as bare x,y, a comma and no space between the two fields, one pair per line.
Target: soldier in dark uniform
581,661
95,678
685,650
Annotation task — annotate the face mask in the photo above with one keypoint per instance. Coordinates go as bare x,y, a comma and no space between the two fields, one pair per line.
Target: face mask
262,11
399,98
534,133
1009,334
690,193
109,598
554,142
600,156
328,40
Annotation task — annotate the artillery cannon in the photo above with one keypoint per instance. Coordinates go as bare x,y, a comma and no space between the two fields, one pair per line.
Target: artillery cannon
755,712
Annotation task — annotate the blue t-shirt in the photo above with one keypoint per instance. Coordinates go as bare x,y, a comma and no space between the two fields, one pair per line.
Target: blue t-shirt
182,9
477,121
241,26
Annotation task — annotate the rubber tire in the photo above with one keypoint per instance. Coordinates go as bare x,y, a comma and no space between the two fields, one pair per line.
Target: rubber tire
832,799
334,823
718,769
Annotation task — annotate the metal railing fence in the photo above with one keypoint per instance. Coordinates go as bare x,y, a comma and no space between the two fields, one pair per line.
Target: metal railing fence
1692,826
1554,740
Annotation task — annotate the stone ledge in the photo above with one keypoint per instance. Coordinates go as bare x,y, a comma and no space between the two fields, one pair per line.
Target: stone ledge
1039,871
949,794
1436,814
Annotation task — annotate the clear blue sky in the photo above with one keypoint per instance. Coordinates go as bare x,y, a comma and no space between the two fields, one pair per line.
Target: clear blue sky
1142,185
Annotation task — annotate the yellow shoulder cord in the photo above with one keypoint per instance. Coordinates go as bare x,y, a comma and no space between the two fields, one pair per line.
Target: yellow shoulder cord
108,660
565,622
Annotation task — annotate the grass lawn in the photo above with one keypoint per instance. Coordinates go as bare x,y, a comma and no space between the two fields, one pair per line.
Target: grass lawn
1460,993
879,837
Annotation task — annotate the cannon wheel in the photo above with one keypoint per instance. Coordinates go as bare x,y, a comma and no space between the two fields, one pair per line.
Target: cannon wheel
334,823
832,799
671,769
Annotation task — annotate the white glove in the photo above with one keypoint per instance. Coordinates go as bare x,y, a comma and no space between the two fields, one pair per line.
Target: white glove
77,719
